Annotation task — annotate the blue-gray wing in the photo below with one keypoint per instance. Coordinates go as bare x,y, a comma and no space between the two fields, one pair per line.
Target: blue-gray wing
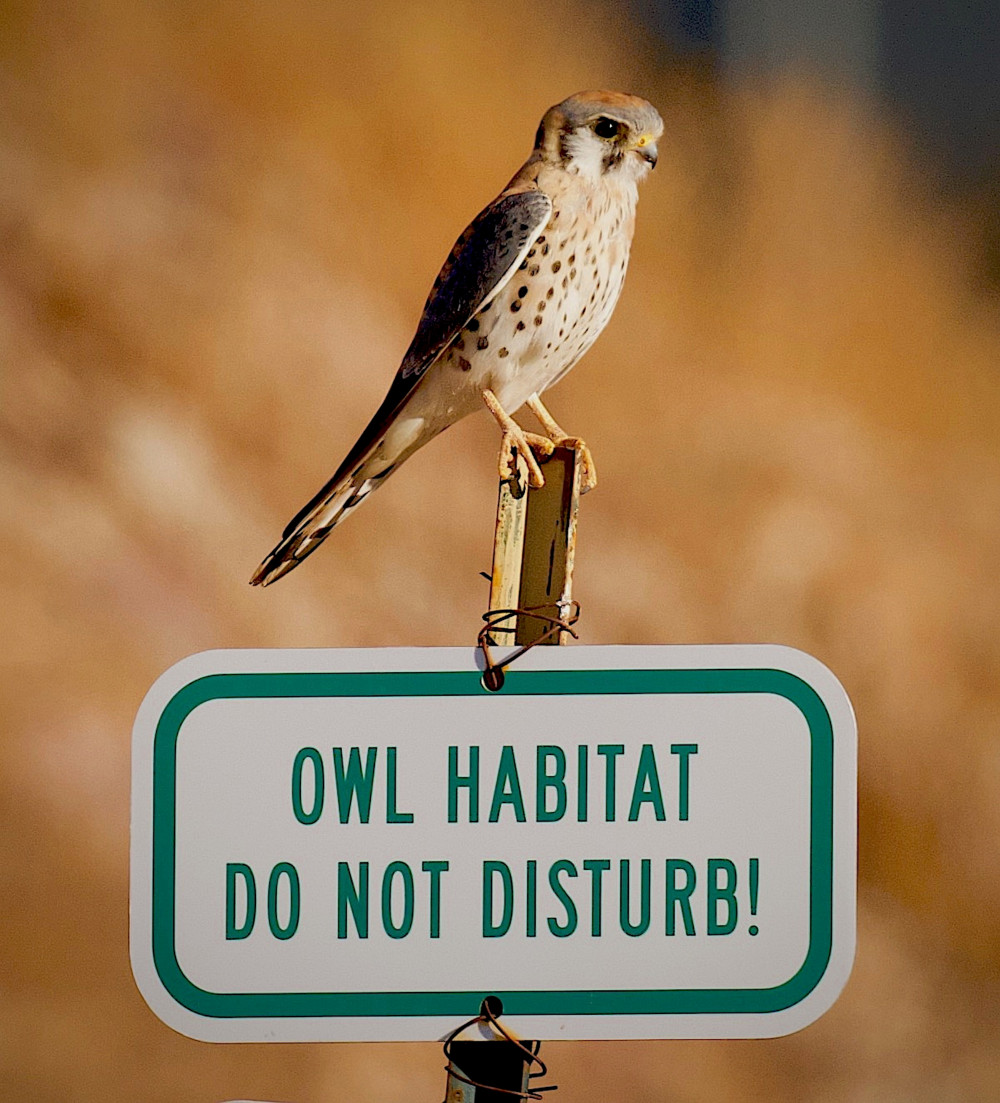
483,260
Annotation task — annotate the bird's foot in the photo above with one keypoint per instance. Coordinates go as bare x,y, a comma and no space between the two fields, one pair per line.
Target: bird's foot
588,469
516,442
562,439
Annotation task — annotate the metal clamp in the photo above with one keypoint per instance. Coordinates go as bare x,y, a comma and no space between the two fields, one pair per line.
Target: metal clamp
489,1011
568,615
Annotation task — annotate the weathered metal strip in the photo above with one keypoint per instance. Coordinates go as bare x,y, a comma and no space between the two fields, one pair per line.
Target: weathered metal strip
550,545
508,545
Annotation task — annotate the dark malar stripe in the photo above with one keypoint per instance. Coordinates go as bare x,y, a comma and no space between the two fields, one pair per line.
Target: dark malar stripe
564,148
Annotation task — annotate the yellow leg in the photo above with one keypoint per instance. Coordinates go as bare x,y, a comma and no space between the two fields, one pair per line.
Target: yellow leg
588,475
529,445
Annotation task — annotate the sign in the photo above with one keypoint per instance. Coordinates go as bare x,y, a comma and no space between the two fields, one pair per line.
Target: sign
624,842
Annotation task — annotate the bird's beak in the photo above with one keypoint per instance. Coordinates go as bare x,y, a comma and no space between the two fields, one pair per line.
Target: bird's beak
646,149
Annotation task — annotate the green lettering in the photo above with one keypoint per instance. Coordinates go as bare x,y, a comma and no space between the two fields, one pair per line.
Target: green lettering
309,754
721,894
290,873
353,897
680,895
355,782
647,786
507,789
491,929
391,815
435,869
627,926
403,871
468,781
582,780
685,750
546,781
531,907
597,867
610,751
242,871
562,930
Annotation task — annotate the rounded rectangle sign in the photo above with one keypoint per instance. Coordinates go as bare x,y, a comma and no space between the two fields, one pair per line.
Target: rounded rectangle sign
624,842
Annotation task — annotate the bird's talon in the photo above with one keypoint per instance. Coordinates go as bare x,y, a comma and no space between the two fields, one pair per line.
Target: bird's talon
535,477
514,444
541,447
588,469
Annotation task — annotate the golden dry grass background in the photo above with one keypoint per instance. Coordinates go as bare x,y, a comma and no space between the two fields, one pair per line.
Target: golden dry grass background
795,413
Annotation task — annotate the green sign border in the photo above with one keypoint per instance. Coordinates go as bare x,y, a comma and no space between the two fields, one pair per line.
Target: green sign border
240,1005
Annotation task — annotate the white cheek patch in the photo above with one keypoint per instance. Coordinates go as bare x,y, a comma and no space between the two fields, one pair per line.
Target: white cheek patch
585,152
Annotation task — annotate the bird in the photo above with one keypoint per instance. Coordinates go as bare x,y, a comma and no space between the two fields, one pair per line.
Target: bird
524,293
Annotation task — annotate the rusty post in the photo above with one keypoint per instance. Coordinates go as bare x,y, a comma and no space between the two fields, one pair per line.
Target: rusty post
534,549
508,547
535,546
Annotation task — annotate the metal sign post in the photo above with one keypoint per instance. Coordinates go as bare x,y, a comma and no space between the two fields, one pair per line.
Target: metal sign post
534,549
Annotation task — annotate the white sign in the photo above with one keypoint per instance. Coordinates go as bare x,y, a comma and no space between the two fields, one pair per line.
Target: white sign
624,842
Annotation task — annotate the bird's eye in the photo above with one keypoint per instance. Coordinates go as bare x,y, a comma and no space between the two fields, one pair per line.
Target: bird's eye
607,128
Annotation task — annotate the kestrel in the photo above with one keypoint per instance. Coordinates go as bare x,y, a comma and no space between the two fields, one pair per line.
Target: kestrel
525,292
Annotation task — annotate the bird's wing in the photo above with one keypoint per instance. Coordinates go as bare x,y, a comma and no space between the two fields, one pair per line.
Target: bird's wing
479,266
484,258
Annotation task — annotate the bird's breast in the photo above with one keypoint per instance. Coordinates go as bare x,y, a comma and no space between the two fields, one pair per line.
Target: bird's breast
552,309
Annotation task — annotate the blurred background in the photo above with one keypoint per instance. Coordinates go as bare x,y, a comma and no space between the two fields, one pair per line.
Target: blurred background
218,223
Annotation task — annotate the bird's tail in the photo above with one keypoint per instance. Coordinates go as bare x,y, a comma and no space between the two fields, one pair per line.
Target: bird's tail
314,522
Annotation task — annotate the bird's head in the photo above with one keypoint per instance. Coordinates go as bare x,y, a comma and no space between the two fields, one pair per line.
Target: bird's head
597,134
